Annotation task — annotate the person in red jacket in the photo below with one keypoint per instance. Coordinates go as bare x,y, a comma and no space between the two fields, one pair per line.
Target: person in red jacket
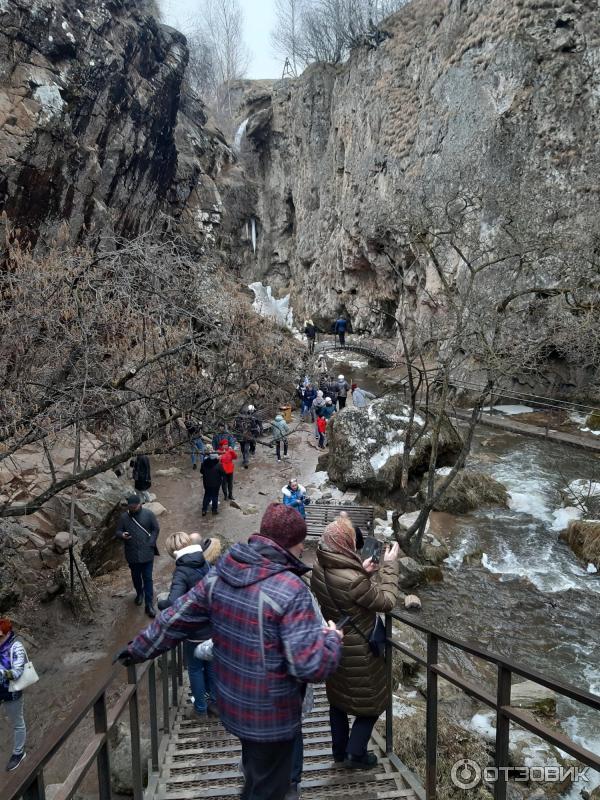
321,427
227,456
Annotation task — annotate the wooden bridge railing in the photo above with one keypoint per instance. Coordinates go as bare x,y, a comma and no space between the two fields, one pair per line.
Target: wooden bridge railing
500,703
29,783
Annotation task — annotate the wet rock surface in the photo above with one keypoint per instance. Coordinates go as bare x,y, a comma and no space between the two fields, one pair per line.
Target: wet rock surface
98,132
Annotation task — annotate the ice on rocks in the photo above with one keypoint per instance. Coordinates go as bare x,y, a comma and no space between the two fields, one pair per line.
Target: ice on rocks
268,306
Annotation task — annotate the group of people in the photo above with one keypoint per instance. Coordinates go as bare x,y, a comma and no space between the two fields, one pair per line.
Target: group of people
269,640
339,328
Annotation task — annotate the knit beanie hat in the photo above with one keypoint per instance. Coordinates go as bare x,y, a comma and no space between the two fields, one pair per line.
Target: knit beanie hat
284,525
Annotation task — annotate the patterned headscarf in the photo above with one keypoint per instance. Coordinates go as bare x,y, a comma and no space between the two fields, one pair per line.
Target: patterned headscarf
339,537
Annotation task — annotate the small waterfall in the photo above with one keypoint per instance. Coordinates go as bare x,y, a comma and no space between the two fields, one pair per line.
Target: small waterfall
253,223
239,135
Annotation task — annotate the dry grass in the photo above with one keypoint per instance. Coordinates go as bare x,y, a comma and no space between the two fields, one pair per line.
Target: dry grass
454,744
583,536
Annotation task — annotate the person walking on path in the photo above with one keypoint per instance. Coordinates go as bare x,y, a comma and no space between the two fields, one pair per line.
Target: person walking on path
344,585
12,665
138,528
322,428
225,434
308,395
360,397
267,644
328,409
321,367
194,432
317,410
248,428
142,478
280,431
212,478
343,387
192,566
294,495
227,456
310,331
331,390
340,327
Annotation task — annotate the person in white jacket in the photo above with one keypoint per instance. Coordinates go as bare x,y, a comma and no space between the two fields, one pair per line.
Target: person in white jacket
294,495
12,664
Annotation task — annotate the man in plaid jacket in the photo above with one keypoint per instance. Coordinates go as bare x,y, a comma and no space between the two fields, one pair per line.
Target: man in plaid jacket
268,643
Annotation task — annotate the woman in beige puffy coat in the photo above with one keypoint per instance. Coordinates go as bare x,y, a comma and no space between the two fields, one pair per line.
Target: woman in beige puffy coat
344,585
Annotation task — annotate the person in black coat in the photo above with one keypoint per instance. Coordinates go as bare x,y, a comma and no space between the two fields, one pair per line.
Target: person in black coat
190,568
212,477
138,528
142,476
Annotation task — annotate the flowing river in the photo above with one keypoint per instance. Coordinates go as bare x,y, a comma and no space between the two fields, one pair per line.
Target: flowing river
531,599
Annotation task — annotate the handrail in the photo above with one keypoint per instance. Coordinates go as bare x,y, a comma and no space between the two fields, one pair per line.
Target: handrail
29,783
500,701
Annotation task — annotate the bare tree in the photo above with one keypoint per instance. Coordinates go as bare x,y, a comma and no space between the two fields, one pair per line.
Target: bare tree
288,32
221,30
122,343
493,300
328,29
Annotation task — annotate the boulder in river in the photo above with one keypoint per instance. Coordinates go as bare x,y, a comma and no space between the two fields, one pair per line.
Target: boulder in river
366,445
469,490
583,537
529,694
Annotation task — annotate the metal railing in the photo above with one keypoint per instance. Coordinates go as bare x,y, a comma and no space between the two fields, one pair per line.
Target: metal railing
29,783
500,702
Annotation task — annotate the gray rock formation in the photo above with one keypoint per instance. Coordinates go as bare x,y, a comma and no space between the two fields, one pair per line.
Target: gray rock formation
98,132
366,445
496,100
469,490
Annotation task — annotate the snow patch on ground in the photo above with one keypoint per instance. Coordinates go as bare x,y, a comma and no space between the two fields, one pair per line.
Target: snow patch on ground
582,489
510,411
401,710
268,306
443,471
319,478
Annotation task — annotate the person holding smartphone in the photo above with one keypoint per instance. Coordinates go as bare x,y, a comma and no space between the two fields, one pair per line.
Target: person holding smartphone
342,582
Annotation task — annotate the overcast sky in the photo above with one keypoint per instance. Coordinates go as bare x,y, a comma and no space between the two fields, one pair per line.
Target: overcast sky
259,21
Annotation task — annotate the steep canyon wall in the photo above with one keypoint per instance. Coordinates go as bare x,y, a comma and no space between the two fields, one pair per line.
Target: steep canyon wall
98,131
495,100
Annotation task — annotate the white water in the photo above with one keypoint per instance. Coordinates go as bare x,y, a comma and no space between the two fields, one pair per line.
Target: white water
253,226
239,135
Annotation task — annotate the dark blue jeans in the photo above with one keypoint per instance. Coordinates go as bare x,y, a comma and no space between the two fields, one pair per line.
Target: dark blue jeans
211,497
141,575
202,678
247,448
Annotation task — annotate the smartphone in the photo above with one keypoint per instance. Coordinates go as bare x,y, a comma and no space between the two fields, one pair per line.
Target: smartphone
341,623
372,549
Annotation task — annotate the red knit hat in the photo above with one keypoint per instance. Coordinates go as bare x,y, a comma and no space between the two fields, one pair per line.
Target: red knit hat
284,525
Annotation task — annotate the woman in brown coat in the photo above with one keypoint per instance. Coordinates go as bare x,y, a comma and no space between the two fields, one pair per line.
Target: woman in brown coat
343,585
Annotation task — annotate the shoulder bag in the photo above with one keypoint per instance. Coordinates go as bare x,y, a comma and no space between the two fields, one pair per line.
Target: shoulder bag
156,553
28,677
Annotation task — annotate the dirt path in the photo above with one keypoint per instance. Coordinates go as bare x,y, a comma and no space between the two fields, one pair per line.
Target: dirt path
73,657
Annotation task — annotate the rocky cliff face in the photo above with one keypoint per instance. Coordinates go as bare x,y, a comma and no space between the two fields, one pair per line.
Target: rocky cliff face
97,130
496,100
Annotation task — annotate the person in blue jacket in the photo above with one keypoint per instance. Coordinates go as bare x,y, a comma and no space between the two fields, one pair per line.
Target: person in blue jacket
340,327
294,495
328,409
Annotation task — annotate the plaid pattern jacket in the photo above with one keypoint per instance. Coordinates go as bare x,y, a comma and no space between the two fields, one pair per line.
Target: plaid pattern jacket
268,641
